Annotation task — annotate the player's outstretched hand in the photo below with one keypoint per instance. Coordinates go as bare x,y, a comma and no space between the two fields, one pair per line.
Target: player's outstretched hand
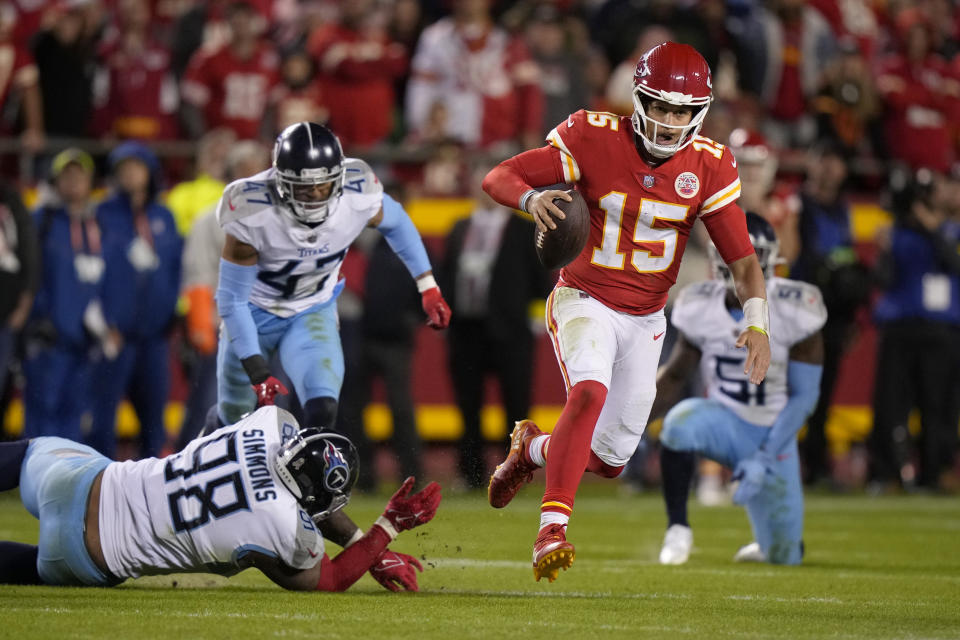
752,474
395,571
405,511
758,354
543,210
436,308
268,390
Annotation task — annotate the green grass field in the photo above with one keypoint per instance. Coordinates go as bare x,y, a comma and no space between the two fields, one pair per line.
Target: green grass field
875,568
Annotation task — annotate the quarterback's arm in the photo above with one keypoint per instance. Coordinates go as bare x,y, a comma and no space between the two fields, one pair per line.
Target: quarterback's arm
238,273
512,183
403,237
673,376
804,370
751,291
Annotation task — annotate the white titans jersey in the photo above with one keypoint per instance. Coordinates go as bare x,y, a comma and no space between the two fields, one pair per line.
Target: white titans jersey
202,509
299,266
796,313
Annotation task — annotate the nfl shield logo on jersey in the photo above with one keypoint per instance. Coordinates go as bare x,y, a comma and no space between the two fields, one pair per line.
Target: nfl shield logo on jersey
687,184
647,182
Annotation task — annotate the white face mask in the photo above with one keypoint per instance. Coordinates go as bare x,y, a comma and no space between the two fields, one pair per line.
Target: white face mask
648,128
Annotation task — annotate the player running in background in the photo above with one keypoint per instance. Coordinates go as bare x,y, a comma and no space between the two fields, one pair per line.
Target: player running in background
646,180
247,495
748,427
287,232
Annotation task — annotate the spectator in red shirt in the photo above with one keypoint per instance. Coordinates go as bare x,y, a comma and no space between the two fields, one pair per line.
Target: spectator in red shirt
135,94
230,86
919,95
358,64
483,77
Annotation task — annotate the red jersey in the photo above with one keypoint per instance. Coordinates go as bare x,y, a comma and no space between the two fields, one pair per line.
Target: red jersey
919,106
137,95
357,73
232,92
641,216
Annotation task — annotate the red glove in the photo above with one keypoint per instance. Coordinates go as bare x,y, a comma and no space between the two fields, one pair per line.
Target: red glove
438,313
394,571
268,390
406,512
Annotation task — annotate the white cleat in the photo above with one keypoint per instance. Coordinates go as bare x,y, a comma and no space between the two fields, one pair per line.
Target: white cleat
677,544
750,553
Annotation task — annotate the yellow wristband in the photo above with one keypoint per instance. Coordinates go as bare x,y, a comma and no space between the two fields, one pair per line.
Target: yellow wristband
758,330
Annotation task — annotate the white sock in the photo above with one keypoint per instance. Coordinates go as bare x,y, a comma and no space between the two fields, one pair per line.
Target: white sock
535,452
552,517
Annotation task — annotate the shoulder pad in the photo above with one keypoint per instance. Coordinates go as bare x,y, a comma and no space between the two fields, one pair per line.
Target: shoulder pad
700,290
359,178
287,425
692,303
798,306
246,197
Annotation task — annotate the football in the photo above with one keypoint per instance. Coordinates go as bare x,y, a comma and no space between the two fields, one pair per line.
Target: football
558,247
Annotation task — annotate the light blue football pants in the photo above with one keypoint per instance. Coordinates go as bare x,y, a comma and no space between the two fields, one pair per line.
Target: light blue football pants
308,344
55,480
706,427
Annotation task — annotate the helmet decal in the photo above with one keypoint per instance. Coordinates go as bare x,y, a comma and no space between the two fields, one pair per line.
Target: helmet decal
337,474
319,468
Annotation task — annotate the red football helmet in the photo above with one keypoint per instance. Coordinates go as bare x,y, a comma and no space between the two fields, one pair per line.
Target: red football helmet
678,75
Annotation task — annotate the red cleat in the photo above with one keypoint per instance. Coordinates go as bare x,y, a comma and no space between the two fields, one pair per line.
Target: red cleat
552,552
516,470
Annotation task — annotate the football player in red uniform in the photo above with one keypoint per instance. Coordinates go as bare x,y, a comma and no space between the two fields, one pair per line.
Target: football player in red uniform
646,178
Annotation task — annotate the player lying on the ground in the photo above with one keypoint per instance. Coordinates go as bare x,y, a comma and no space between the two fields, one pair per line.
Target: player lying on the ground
749,427
248,495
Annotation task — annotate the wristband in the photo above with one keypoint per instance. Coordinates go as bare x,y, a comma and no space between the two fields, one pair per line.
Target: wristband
356,536
757,315
426,282
526,198
387,526
256,368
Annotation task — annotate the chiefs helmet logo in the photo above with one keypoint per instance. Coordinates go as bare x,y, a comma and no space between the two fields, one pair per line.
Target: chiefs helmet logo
687,184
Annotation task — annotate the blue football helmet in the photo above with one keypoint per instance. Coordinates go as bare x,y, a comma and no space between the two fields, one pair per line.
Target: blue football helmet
307,155
765,243
319,468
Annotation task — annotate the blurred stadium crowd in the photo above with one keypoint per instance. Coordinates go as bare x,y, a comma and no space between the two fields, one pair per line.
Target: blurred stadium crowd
842,115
